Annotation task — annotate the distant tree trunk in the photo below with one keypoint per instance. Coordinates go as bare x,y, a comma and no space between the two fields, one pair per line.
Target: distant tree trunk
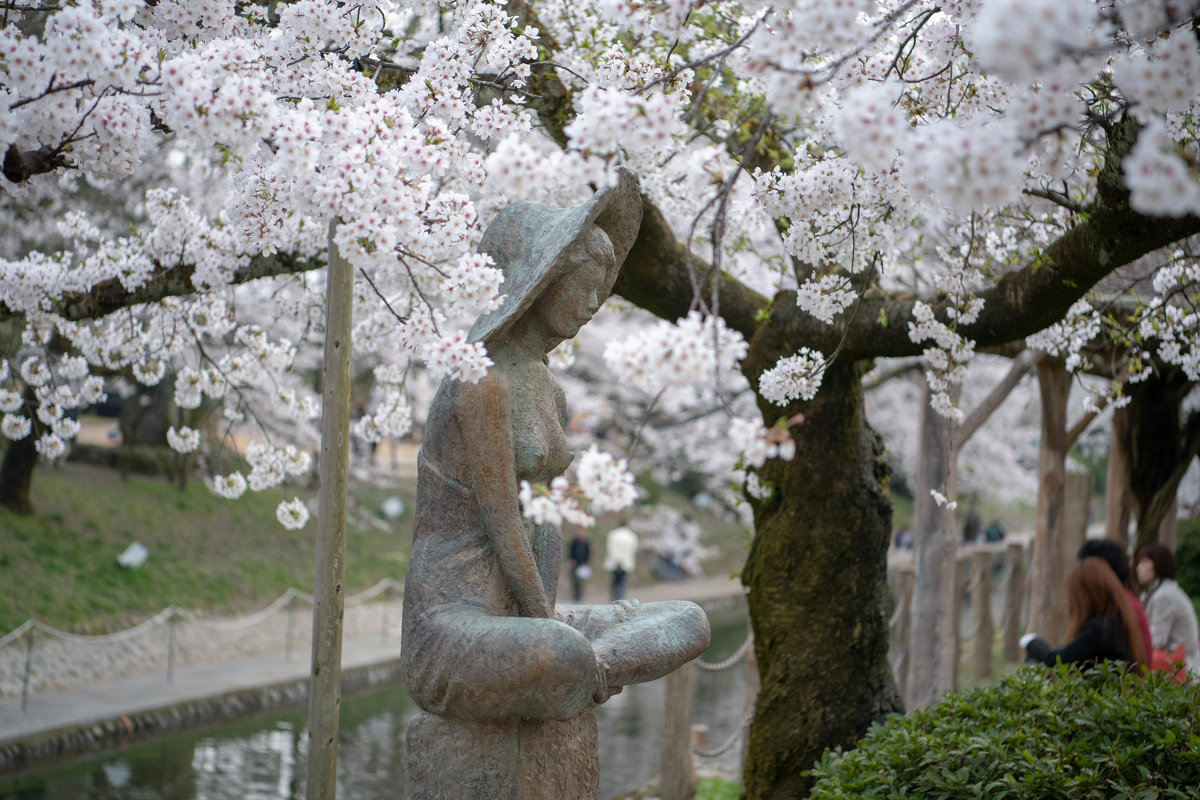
1161,514
933,646
1158,447
16,471
1118,496
1046,593
932,642
816,575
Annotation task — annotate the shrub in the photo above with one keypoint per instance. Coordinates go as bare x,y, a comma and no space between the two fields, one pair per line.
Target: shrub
1040,734
1187,555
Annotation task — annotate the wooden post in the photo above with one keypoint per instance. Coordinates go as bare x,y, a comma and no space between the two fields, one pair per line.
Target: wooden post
933,634
903,587
325,689
981,600
1014,599
678,771
171,645
952,648
753,684
28,670
291,626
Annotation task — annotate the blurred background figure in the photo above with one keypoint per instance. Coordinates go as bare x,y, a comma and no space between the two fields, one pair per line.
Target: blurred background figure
1171,614
620,556
579,554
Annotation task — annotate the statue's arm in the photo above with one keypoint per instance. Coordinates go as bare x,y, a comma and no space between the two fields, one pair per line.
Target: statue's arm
488,434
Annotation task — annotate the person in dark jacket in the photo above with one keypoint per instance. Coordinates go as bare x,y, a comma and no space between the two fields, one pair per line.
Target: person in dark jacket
1115,555
1102,626
578,556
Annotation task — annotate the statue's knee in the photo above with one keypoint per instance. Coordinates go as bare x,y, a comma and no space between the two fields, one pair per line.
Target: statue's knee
562,673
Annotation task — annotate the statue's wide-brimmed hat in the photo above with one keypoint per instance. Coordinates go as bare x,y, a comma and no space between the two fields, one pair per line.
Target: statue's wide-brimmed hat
531,242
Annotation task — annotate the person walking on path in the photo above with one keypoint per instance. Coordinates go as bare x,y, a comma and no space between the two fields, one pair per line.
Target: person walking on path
578,555
619,557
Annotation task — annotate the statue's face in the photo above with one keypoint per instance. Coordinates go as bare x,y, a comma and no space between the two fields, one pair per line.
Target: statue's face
572,300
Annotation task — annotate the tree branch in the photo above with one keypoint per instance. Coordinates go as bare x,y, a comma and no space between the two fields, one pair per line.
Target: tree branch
21,165
109,296
1087,419
1021,366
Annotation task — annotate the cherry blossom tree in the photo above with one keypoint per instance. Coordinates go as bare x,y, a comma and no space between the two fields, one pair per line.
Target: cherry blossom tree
825,184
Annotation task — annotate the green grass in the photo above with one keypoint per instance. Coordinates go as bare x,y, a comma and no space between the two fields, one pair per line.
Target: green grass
717,788
206,552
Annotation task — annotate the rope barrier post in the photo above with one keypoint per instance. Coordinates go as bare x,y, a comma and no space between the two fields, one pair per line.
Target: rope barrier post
383,625
982,600
954,654
329,602
1014,597
291,627
28,669
678,771
171,645
753,684
904,585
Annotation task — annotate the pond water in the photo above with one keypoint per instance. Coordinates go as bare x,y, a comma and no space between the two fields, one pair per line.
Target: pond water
263,758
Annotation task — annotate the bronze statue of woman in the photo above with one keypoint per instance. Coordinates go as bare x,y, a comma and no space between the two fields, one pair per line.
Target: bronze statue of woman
484,644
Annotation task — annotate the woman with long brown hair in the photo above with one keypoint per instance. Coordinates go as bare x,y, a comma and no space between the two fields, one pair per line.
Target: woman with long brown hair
1102,626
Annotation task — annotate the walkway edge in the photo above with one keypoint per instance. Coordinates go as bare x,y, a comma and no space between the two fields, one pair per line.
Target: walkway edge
115,732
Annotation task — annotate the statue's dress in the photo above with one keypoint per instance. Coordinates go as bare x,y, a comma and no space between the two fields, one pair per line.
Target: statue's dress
466,651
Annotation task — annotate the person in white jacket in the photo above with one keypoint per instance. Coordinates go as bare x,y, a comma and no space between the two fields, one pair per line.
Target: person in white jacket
620,552
1170,611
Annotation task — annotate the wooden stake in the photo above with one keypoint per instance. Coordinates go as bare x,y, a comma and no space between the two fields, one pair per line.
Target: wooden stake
325,689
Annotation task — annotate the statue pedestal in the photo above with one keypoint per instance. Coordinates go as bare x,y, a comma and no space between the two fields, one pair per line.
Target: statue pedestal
530,760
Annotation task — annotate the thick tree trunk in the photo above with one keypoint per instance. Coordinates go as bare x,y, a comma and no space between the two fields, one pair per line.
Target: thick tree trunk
1047,596
816,577
933,636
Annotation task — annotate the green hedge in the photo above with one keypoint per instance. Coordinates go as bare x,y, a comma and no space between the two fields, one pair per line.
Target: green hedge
1187,555
1040,734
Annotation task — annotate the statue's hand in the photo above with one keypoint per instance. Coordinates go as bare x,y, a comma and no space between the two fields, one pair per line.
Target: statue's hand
603,691
626,609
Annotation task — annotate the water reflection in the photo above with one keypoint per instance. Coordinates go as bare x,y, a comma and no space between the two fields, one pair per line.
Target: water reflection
263,758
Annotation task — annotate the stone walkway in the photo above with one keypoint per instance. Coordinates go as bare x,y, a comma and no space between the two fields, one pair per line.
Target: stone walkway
89,717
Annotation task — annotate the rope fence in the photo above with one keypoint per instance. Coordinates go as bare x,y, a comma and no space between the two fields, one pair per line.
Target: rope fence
974,566
683,740
56,659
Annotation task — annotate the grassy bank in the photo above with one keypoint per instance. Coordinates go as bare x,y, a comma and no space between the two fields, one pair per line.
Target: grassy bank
59,565
220,556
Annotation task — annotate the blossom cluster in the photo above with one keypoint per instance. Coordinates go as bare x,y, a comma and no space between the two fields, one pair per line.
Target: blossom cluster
794,377
552,505
605,480
695,350
948,358
757,443
826,297
602,483
675,537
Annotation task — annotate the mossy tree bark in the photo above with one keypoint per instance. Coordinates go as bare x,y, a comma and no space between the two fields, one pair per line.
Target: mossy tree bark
816,576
